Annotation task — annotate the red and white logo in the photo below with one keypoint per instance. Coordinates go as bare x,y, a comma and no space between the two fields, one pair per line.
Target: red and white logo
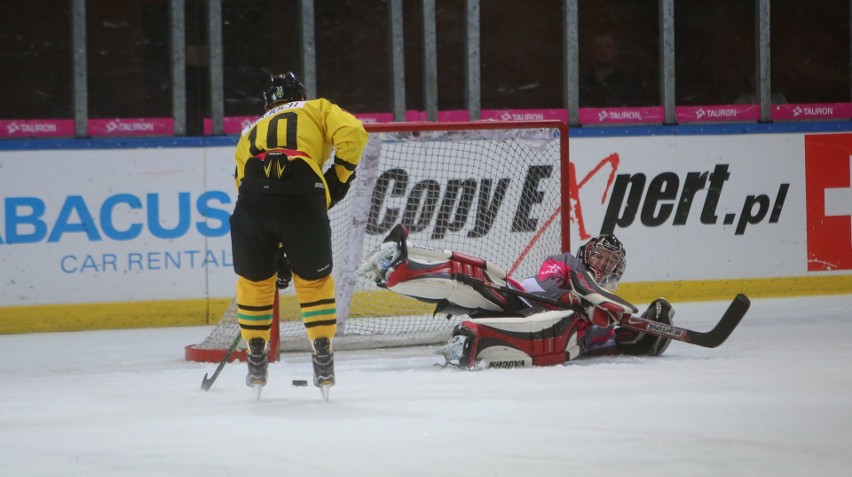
828,183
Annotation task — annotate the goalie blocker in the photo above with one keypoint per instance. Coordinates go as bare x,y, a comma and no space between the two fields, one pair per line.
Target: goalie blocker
505,330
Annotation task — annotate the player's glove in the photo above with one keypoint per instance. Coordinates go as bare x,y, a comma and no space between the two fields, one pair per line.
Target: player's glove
285,276
336,189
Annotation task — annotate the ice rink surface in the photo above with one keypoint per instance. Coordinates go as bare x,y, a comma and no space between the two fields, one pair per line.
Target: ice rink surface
774,400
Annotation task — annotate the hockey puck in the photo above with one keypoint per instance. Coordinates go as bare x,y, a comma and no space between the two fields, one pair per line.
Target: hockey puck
300,382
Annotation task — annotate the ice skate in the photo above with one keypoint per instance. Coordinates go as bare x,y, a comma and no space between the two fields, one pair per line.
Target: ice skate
386,257
458,350
323,360
453,351
257,357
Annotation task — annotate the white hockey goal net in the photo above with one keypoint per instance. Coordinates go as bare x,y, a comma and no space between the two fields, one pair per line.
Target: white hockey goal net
495,190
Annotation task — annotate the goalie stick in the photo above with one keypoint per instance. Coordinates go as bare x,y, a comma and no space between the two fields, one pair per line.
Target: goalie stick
710,339
207,382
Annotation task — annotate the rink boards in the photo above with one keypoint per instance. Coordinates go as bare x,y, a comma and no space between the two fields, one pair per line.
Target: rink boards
134,233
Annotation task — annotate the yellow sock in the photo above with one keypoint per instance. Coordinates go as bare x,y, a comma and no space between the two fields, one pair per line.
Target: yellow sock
254,307
319,309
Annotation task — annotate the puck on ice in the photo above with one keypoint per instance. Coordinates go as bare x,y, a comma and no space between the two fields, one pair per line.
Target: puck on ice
300,382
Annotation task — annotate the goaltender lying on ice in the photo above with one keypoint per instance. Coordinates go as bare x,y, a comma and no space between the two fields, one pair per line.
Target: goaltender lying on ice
566,311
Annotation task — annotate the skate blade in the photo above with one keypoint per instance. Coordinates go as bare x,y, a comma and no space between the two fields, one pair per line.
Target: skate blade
258,388
324,390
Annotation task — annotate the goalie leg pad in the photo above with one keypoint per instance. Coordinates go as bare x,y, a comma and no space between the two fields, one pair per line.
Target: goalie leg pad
436,281
541,339
635,343
436,276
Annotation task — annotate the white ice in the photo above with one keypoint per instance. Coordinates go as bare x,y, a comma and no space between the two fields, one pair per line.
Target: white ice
774,400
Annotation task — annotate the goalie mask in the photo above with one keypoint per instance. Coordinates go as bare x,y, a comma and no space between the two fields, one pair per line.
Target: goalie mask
604,256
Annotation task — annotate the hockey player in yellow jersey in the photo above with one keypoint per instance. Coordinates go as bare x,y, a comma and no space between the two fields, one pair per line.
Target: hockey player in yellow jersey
285,191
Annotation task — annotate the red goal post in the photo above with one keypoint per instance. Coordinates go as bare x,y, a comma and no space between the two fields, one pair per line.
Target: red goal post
493,189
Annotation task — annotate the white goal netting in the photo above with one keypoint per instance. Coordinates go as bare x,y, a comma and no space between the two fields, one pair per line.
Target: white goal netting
494,190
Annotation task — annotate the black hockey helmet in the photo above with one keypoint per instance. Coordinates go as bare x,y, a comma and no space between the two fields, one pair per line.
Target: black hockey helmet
283,88
606,257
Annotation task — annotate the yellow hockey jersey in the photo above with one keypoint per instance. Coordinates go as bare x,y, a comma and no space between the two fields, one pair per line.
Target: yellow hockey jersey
310,130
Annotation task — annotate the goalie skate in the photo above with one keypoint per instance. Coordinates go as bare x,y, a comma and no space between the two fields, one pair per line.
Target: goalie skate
454,351
380,263
387,256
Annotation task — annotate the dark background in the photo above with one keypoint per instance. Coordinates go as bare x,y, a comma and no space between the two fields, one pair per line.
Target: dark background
521,52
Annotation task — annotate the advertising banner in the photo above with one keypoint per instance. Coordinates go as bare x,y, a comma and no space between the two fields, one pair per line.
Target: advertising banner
828,176
115,225
717,207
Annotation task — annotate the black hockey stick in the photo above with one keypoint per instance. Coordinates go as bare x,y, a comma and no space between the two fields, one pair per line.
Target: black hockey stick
206,383
710,339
